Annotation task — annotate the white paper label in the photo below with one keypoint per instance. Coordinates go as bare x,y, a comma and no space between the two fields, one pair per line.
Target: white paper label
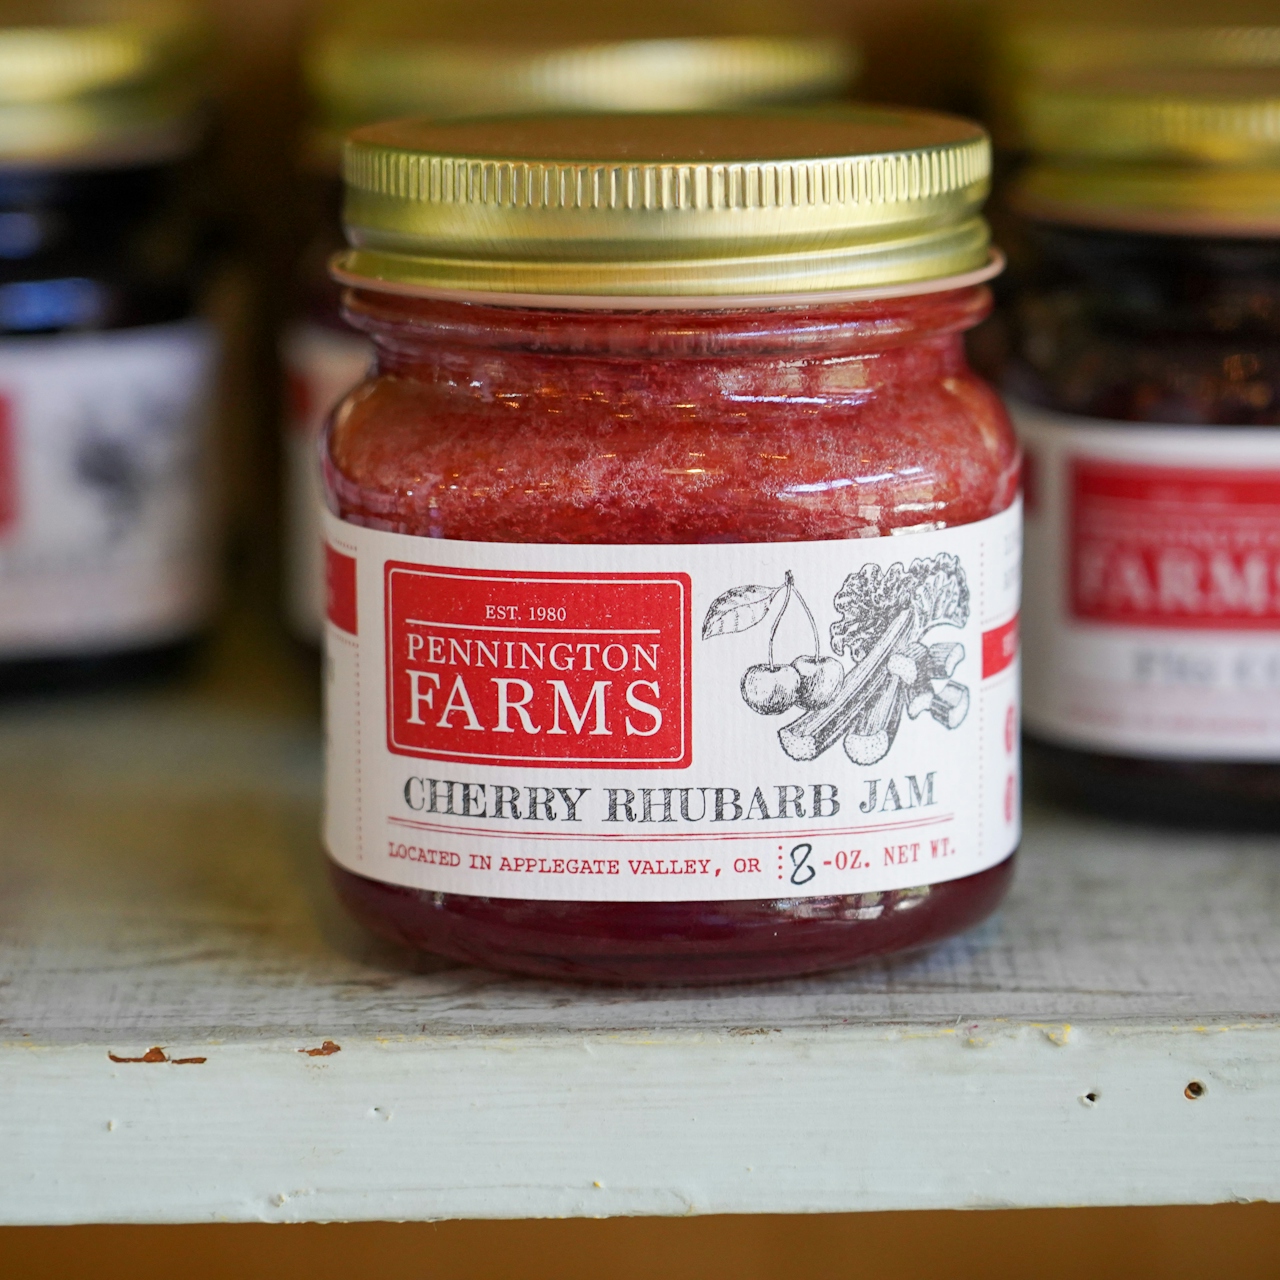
321,366
629,723
104,488
1153,586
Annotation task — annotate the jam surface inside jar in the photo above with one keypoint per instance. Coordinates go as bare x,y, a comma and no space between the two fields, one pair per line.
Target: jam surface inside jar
831,421
1171,329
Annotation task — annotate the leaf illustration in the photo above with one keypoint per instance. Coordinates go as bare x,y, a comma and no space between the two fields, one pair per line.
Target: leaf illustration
738,610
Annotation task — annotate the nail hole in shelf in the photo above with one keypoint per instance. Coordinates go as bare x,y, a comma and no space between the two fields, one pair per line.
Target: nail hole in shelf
1091,1098
1194,1090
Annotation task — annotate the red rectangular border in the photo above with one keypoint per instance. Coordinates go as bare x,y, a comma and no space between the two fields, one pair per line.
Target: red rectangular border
8,467
1206,499
392,567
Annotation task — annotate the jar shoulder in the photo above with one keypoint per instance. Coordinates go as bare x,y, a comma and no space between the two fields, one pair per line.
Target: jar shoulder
1164,329
580,461
102,249
1077,365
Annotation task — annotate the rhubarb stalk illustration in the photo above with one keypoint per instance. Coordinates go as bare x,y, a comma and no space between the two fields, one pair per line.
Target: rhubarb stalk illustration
884,615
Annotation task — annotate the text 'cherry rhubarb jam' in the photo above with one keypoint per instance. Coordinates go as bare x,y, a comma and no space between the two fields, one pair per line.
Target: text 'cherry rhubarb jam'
673,548
1148,396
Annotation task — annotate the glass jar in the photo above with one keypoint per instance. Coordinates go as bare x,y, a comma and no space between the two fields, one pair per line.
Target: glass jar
385,60
627,680
1028,50
106,560
1147,391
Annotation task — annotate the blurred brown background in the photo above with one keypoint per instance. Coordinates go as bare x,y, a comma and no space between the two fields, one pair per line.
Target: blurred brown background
1224,1242
920,51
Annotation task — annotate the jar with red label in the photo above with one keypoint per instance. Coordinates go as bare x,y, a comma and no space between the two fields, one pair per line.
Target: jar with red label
107,562
672,546
384,60
1147,393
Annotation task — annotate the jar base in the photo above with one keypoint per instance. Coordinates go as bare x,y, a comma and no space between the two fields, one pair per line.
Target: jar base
671,943
1211,795
89,673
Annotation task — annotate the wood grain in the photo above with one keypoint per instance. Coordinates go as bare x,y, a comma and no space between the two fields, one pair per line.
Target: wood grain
184,1004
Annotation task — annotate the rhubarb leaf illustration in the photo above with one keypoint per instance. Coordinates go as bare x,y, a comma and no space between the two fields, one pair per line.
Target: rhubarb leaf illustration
935,589
943,593
738,610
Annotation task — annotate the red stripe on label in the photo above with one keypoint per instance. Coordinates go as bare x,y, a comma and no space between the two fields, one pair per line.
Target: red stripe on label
1174,546
340,587
8,468
999,648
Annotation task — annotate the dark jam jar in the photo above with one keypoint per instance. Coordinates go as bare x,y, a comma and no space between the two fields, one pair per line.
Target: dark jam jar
105,554
370,60
673,547
1147,392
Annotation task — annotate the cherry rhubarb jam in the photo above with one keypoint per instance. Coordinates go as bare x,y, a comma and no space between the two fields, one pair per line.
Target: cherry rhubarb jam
671,641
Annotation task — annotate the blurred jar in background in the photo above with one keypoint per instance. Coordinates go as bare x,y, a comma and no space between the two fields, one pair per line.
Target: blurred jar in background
106,558
1031,50
369,62
1147,394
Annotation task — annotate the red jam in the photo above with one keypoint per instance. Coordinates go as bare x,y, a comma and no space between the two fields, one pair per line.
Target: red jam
832,421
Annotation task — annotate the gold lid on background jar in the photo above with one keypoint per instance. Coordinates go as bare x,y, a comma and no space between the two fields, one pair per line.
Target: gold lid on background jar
1179,150
1029,52
1053,49
98,82
381,59
667,205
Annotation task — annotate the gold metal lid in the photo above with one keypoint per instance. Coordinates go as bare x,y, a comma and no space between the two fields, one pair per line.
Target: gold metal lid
375,60
1028,51
1192,115
1190,150
1040,50
98,81
1156,199
767,202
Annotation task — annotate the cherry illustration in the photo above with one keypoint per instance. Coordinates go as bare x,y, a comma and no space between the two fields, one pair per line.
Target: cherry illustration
820,680
810,681
770,690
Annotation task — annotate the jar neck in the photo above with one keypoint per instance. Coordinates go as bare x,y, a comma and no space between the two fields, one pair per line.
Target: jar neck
416,333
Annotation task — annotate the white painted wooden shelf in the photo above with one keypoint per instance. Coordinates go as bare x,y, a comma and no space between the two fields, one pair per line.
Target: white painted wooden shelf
161,888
